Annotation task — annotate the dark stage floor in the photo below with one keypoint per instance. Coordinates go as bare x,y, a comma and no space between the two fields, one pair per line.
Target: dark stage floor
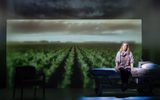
78,94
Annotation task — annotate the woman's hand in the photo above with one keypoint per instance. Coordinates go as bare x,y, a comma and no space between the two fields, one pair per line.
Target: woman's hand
117,69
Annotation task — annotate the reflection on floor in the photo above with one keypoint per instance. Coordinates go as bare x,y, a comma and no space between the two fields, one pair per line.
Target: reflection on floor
125,98
77,94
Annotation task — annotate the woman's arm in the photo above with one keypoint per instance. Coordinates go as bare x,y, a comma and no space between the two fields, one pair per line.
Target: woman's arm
117,67
117,60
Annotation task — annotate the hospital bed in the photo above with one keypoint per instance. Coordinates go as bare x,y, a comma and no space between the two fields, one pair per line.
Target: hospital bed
144,78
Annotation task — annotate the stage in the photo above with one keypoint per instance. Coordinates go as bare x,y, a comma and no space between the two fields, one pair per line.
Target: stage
78,94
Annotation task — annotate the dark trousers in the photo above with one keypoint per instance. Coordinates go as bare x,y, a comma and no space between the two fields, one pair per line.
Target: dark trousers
125,74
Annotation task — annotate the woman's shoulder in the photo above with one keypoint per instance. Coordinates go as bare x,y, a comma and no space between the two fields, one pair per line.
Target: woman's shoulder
118,52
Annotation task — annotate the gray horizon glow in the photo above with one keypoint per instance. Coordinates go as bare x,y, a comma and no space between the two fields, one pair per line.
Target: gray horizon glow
73,38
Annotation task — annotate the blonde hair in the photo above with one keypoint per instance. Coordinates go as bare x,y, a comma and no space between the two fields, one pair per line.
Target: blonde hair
121,48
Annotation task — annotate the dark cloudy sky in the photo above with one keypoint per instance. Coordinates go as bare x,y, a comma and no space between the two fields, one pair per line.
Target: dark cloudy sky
80,8
67,8
74,30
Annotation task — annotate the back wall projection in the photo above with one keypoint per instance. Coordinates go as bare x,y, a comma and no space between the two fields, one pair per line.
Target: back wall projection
66,49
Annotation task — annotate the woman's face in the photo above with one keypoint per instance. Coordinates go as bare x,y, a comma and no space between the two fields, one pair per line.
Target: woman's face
124,46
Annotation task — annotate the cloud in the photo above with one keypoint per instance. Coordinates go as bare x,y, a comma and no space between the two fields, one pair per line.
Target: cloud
30,26
92,27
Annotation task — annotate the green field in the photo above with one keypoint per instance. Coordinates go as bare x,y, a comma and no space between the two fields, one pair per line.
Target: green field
65,65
